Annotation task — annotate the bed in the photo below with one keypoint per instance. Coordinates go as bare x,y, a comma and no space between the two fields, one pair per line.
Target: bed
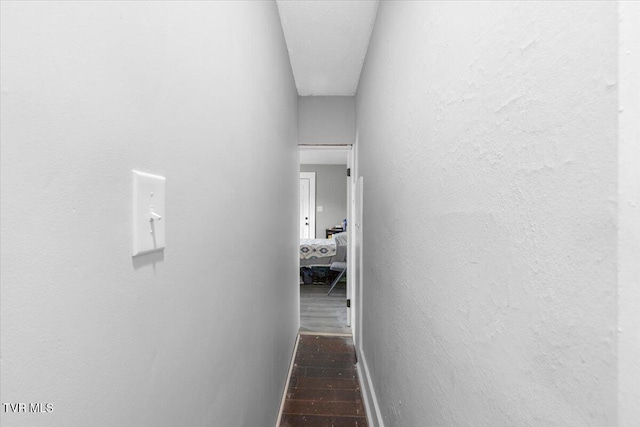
323,251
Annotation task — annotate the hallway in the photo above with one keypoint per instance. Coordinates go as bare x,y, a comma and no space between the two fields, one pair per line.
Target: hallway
324,388
493,211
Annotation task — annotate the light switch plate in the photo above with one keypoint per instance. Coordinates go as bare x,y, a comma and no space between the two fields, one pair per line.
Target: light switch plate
148,213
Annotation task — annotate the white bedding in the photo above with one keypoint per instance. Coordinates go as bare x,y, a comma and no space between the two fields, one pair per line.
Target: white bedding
340,254
317,248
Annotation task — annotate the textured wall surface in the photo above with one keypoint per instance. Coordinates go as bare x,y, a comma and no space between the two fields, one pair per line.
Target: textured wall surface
199,92
331,194
326,119
487,140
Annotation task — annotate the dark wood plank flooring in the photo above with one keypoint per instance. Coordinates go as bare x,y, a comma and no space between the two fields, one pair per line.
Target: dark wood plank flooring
324,388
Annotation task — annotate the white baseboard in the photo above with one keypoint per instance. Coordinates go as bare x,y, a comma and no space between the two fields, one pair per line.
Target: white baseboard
286,385
374,416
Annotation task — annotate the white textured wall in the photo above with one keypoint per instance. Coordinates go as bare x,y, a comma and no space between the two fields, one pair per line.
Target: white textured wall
203,94
326,119
487,140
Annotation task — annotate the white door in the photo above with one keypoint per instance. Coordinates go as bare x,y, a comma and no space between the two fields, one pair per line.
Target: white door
304,208
307,205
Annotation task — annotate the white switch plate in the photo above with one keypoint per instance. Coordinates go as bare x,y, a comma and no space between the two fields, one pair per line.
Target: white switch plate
148,203
320,208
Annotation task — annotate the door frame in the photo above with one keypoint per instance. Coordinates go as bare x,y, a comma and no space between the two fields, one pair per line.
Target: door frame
354,254
352,310
311,176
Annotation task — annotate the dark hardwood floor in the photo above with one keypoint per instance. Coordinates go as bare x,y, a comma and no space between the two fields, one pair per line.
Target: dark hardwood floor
324,388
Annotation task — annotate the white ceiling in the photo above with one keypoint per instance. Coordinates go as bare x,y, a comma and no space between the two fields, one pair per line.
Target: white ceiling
323,156
327,42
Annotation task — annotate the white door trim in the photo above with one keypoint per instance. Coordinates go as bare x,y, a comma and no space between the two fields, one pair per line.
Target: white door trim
350,252
353,278
350,149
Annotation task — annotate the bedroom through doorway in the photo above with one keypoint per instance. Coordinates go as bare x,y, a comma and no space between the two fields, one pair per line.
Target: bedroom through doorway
325,196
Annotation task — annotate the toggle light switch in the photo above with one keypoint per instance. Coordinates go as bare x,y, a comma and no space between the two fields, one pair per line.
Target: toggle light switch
148,213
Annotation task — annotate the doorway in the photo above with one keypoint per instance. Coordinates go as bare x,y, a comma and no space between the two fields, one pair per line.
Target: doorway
322,311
